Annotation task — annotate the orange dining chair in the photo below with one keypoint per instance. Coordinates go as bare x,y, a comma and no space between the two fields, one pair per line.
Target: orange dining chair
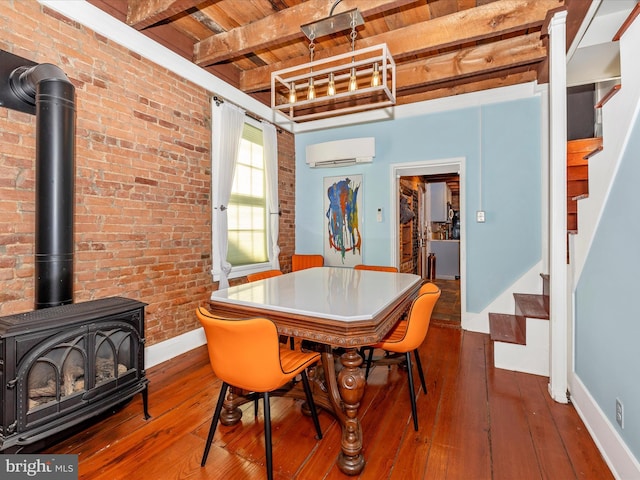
428,287
366,352
407,335
247,354
302,261
254,277
378,268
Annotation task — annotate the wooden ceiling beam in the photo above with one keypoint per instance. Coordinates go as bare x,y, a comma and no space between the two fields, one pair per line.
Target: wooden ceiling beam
487,58
278,28
477,86
488,21
491,20
143,13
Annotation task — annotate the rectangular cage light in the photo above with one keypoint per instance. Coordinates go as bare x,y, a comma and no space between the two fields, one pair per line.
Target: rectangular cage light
358,80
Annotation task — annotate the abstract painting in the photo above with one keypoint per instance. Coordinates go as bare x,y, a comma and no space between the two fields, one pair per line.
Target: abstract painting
343,205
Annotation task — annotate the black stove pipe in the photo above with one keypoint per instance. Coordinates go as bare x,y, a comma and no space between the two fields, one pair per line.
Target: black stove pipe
48,88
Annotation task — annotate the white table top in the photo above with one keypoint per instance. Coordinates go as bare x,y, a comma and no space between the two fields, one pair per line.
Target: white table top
336,293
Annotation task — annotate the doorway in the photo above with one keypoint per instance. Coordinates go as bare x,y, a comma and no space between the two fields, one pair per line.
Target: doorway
415,236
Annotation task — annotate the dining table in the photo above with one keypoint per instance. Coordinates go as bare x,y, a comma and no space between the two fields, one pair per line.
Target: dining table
338,309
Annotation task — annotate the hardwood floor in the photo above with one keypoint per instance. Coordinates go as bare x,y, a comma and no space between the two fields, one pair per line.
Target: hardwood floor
447,311
476,422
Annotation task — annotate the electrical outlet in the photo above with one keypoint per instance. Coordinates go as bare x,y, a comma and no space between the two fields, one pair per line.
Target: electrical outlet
619,413
480,216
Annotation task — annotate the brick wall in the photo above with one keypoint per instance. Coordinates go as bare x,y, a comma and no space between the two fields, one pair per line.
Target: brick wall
143,176
287,189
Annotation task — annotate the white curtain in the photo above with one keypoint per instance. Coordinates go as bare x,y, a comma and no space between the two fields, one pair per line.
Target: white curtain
270,149
228,123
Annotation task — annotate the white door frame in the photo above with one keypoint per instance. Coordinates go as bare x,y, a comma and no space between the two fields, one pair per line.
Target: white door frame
429,167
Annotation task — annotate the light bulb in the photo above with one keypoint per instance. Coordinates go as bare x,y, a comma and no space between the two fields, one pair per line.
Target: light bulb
353,81
375,76
292,93
331,88
311,91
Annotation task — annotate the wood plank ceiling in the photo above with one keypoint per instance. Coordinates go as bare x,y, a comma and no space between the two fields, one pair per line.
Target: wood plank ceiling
441,47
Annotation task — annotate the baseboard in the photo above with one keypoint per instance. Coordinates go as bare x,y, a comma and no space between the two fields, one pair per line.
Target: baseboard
163,351
447,277
614,450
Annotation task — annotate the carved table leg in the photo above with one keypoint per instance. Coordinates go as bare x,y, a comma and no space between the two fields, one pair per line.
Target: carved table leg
231,413
351,383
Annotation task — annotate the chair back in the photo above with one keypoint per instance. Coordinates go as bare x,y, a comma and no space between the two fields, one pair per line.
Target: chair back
418,319
428,287
253,277
243,353
302,261
378,268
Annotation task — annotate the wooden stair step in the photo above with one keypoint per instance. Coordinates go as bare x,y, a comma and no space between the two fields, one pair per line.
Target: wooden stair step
578,154
578,173
507,328
607,96
577,187
532,305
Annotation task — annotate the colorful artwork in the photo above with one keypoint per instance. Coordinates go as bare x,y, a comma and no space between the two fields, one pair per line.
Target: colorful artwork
343,239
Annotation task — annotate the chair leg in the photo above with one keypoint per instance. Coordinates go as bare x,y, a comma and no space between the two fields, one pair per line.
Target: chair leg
214,422
362,354
412,392
367,360
312,404
267,435
420,372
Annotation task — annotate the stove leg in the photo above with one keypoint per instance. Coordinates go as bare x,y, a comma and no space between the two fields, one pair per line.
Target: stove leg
145,402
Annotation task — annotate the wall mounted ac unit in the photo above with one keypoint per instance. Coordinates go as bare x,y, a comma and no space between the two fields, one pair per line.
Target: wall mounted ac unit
340,153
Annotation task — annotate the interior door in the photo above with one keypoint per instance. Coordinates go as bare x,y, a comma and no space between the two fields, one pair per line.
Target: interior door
423,209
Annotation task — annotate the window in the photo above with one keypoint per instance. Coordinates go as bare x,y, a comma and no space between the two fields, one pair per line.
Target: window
244,194
247,209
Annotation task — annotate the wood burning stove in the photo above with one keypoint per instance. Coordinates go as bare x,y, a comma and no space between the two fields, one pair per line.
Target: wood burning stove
63,365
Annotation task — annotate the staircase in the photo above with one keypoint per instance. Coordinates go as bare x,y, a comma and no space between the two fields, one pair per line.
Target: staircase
521,340
578,154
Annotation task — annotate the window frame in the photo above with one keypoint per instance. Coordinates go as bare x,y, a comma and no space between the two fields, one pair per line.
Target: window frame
243,270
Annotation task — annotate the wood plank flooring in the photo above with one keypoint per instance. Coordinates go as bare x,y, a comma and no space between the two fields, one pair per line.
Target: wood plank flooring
447,311
476,422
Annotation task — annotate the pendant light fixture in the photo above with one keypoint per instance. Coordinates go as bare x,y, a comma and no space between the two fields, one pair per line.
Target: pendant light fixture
293,98
356,80
331,87
311,90
353,78
375,76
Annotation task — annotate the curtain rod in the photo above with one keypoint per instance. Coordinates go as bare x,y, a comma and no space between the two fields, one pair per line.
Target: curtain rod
218,100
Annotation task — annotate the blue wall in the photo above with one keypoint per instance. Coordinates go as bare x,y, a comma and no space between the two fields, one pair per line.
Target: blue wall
607,318
500,250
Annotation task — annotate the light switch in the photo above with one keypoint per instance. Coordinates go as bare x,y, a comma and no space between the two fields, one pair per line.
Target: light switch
379,215
480,216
